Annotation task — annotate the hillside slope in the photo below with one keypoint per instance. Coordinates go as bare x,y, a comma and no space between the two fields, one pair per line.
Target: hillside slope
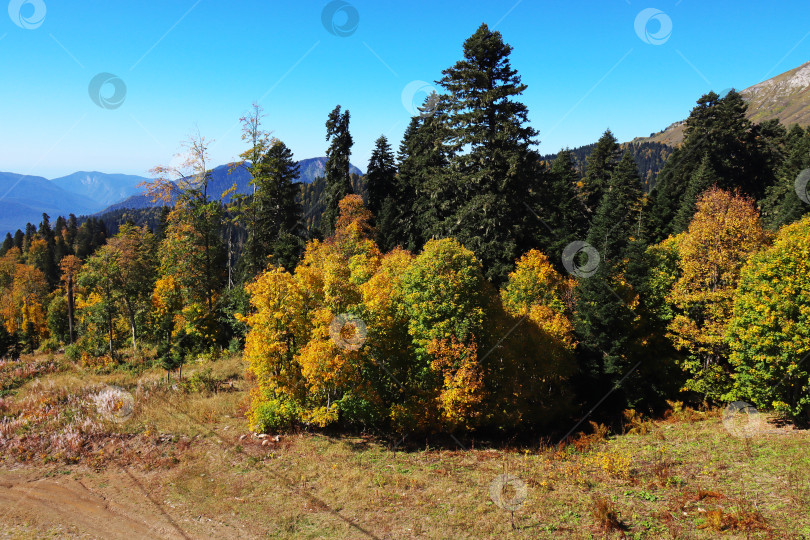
785,97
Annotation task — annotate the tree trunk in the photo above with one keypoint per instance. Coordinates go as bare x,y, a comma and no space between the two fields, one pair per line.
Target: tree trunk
132,327
70,307
110,325
230,236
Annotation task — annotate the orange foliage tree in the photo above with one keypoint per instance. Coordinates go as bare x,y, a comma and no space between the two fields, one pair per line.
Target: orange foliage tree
357,337
723,234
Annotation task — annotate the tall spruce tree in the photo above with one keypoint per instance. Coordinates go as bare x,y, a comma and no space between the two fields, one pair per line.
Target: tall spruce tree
19,239
272,215
604,319
703,179
338,179
598,167
782,204
425,197
382,193
741,155
559,207
8,243
380,175
494,162
277,232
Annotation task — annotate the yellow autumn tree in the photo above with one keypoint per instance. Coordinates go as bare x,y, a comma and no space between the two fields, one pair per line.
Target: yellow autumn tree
535,359
723,234
769,333
327,355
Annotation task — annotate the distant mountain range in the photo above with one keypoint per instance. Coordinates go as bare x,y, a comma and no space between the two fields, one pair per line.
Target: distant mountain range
785,97
23,199
223,178
104,189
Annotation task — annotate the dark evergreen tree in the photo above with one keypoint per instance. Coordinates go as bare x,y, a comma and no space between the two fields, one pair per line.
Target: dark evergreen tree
424,195
559,207
274,213
47,262
604,320
380,175
336,169
19,239
598,168
382,194
30,232
493,163
616,218
782,204
741,155
8,243
703,179
72,229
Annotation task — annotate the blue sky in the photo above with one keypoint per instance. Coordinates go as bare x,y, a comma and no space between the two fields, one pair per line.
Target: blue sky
190,62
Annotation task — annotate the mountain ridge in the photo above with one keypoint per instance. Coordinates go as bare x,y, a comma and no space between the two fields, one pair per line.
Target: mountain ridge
785,97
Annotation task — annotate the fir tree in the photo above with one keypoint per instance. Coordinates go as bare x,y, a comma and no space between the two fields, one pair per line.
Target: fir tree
740,154
604,320
703,179
382,196
338,179
424,197
782,204
599,166
381,174
493,161
562,213
275,221
616,218
19,239
8,243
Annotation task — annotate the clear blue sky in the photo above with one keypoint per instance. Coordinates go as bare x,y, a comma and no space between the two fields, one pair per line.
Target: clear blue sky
187,62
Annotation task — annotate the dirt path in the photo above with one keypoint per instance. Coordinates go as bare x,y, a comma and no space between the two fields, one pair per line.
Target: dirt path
114,506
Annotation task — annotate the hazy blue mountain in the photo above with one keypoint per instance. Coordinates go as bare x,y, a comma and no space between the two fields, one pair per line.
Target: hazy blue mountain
104,189
23,199
223,178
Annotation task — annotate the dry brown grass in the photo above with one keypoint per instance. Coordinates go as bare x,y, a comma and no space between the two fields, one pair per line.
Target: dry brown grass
683,477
